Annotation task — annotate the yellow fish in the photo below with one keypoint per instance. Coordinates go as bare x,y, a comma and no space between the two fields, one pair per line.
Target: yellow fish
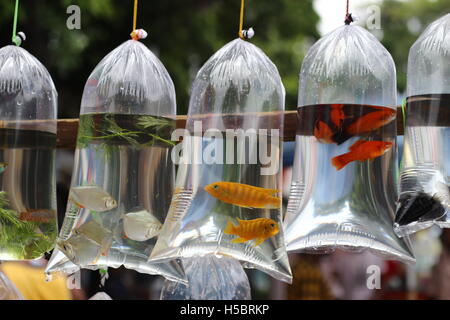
257,229
244,195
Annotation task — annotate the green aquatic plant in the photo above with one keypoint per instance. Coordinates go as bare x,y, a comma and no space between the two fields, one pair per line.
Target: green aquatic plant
23,239
107,132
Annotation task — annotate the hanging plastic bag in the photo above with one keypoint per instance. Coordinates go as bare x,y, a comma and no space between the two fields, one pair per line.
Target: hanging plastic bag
101,296
123,174
425,178
343,189
8,291
28,111
227,197
210,278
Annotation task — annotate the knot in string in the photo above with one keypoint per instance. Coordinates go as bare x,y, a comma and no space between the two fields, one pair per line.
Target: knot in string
19,38
139,34
247,34
348,19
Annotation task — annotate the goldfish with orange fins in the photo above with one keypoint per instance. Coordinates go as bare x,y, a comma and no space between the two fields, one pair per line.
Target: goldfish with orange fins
258,230
337,114
360,151
244,195
371,121
323,132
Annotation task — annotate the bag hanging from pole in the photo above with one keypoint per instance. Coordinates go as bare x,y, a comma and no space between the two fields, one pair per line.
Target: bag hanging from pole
425,177
344,188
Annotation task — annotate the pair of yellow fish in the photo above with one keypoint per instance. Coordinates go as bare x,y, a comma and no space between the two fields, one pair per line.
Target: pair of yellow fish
247,196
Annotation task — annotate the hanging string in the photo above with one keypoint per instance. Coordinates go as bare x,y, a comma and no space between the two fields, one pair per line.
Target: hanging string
17,38
348,16
137,34
244,34
241,19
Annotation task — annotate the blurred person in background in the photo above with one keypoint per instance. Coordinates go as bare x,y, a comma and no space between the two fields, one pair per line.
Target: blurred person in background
308,281
346,273
29,278
439,286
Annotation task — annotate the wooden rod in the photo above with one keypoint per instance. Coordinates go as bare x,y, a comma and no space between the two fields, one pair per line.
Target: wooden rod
68,128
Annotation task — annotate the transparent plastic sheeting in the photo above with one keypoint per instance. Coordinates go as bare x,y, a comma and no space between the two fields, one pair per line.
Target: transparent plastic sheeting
210,278
28,111
425,177
123,175
227,197
344,188
8,290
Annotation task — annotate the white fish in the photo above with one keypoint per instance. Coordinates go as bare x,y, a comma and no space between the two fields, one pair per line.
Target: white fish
141,225
87,244
93,198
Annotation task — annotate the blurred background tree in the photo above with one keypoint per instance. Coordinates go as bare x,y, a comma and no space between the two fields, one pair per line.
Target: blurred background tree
183,33
402,22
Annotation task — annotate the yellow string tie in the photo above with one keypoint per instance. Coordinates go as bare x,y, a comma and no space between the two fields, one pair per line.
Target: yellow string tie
241,20
137,34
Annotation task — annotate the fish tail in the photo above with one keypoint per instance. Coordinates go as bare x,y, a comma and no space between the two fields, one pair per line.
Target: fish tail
341,161
273,203
230,228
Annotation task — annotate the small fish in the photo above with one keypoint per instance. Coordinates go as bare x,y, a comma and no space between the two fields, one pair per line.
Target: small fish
257,229
38,215
323,133
87,243
141,225
360,151
337,114
371,121
93,198
3,166
244,195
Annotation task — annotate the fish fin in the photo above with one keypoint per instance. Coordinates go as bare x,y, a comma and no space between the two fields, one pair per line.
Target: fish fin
239,240
270,192
341,161
356,144
230,228
258,241
275,203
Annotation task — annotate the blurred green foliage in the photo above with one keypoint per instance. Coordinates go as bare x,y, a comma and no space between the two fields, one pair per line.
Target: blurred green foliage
183,33
402,22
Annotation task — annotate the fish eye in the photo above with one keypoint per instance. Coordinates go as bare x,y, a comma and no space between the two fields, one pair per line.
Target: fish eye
215,186
272,225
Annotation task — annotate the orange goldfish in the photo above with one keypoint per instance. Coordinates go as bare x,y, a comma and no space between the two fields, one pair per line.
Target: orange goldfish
244,195
360,151
323,133
257,229
337,114
371,121
42,216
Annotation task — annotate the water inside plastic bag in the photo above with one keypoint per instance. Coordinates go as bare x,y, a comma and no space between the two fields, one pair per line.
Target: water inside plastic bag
210,278
123,175
227,196
28,110
424,197
344,187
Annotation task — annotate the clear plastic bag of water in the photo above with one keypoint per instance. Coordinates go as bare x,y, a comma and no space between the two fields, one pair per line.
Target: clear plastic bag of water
8,291
344,188
123,175
28,112
424,197
228,186
210,278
